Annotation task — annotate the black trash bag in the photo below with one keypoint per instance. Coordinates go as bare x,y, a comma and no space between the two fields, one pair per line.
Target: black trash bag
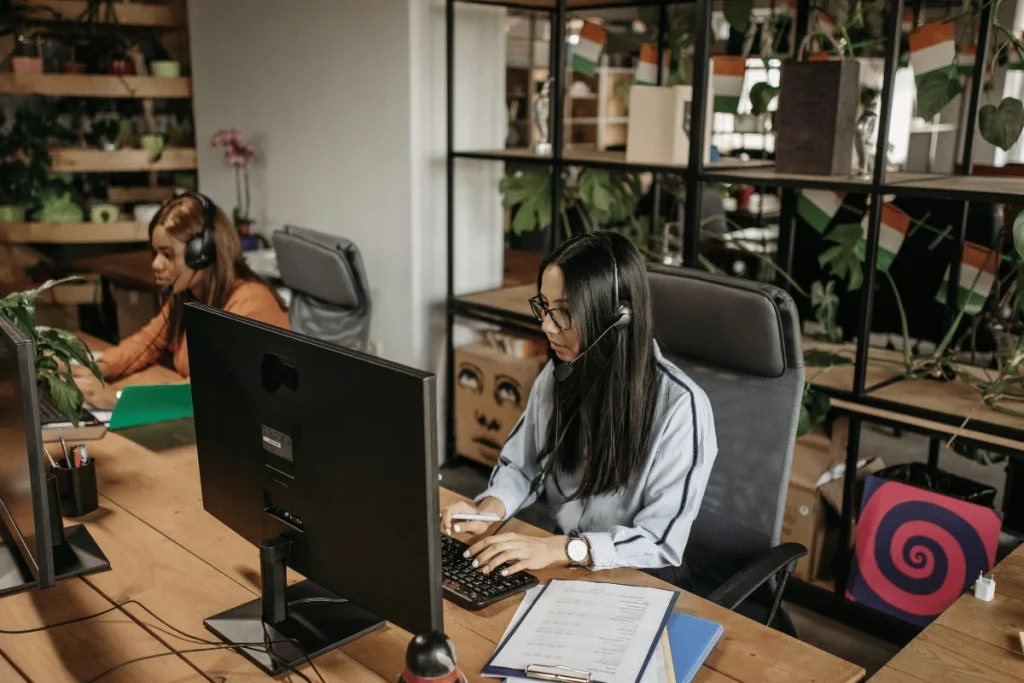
933,479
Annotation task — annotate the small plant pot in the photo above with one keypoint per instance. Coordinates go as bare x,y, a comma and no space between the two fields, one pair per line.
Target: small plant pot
105,213
151,142
165,68
121,67
30,66
73,68
12,213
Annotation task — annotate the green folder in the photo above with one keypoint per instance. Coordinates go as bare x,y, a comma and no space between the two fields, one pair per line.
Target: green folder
142,405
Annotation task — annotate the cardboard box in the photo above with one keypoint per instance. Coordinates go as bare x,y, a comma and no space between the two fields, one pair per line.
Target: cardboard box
659,125
814,502
491,390
134,309
817,117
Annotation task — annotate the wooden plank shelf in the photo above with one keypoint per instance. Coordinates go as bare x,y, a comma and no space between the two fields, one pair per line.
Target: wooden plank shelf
74,233
128,14
83,160
136,195
95,85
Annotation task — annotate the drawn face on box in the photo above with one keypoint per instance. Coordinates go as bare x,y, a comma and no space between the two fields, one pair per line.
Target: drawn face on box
498,400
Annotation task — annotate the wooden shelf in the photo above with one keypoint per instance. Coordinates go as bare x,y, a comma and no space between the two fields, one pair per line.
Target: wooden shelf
83,160
74,233
550,4
95,85
980,187
128,14
612,158
136,195
884,365
508,300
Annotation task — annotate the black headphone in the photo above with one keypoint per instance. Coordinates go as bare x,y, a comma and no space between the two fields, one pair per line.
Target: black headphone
623,312
201,250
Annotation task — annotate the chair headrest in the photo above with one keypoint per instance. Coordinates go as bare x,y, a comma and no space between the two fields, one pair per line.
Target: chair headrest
750,327
319,266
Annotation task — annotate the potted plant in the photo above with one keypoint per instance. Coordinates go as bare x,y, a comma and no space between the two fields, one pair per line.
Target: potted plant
107,132
54,350
25,160
238,155
23,61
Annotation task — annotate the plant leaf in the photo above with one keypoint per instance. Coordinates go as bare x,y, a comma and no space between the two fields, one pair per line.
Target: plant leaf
803,425
737,13
820,358
761,95
1018,233
846,234
936,89
1002,125
66,395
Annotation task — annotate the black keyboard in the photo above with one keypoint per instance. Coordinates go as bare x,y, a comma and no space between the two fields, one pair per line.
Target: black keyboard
49,413
468,587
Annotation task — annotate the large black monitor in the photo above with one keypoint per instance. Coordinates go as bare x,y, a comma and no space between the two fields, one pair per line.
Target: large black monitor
326,459
36,550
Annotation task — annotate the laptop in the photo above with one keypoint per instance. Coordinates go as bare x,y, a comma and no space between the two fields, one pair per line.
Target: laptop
55,424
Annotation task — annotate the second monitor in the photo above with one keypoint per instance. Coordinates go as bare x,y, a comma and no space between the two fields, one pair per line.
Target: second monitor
326,459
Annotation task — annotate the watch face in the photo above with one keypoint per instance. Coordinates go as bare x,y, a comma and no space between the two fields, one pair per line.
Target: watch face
577,550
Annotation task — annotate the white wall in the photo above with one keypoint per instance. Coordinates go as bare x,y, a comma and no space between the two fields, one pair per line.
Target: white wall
345,101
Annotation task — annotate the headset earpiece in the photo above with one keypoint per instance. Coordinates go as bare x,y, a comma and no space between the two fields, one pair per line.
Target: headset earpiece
201,250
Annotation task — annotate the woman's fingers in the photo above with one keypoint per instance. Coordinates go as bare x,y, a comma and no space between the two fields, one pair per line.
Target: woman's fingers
516,568
448,525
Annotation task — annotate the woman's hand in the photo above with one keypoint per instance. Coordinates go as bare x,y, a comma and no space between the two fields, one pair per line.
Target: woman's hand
488,505
519,552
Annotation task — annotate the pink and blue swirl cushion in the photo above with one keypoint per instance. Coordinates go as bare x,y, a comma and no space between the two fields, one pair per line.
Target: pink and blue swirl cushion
918,551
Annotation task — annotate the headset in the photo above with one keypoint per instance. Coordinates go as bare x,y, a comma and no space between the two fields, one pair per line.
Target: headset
201,250
621,318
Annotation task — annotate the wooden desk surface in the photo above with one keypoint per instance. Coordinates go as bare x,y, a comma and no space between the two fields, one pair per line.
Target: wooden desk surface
185,566
972,641
131,269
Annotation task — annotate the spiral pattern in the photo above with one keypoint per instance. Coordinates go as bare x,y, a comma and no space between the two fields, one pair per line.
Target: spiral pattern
918,551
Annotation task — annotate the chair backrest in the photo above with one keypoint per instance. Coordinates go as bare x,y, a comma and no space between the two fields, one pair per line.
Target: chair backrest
740,342
330,291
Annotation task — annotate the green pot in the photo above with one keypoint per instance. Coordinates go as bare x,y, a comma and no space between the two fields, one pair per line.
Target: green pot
151,142
104,213
165,68
12,213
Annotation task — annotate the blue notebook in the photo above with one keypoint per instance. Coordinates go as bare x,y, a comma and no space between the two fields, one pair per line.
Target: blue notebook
691,640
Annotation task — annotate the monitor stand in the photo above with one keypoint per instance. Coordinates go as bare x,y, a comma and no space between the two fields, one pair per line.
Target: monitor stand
289,624
74,551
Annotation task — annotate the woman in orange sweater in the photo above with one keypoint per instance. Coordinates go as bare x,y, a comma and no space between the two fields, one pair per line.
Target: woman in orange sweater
192,262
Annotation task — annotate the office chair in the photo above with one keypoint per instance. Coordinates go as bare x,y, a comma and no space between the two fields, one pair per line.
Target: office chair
330,292
740,341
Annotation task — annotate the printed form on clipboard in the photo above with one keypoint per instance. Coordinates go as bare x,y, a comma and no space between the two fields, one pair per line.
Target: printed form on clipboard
586,632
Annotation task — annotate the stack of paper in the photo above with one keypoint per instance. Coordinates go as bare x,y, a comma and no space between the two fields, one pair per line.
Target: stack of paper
604,633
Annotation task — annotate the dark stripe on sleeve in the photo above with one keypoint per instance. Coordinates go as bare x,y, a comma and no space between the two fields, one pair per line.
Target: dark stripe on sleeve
628,541
696,452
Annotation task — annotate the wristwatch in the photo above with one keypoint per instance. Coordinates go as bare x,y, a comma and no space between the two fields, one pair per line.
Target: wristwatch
577,549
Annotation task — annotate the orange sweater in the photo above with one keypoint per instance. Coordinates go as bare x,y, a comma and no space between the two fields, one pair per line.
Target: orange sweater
144,348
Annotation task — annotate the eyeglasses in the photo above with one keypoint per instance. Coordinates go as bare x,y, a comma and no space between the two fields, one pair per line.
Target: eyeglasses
559,316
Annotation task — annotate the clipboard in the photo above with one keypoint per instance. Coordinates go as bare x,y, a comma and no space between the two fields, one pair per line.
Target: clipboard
146,404
558,672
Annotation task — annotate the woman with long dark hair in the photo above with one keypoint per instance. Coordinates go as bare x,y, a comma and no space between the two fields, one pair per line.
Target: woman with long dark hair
221,279
619,439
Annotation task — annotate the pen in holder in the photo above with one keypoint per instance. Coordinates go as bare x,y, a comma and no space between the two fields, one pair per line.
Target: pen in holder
77,489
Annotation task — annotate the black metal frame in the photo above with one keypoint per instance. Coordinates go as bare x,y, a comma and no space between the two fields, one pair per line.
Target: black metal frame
695,174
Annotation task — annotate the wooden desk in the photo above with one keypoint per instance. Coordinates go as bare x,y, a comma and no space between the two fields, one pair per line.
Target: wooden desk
185,565
131,269
972,641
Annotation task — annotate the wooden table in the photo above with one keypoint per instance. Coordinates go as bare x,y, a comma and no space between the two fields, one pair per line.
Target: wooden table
131,269
183,564
972,641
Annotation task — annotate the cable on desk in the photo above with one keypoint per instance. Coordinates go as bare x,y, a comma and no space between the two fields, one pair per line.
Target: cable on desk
263,646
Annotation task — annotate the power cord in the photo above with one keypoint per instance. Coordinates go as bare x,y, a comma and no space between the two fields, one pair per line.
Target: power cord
263,646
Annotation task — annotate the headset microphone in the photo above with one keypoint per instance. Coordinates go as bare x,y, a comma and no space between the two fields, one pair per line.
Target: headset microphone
563,371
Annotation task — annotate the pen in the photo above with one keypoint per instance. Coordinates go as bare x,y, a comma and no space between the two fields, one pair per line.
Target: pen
64,445
50,458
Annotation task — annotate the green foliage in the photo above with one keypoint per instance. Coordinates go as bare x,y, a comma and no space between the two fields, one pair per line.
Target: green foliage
1018,233
825,303
841,260
679,37
528,191
1002,125
936,89
814,407
54,350
609,197
978,455
761,95
819,358
738,14
24,155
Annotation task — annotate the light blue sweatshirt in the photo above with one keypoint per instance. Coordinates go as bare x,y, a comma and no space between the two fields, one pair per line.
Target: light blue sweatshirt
648,524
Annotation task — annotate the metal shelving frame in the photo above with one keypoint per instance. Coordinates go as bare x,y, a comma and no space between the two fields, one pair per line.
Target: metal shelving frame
695,173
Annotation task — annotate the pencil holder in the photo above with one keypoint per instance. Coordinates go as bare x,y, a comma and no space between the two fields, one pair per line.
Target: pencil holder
77,489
